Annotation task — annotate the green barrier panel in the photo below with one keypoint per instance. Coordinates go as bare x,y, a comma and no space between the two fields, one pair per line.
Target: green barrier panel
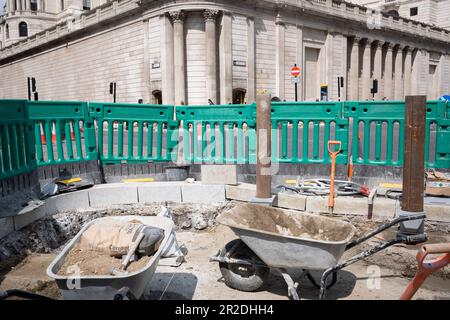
63,131
17,154
303,129
135,133
218,133
378,129
443,136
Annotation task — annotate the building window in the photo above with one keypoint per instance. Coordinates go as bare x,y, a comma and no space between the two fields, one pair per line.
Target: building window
157,97
413,11
62,5
33,5
7,31
239,96
86,4
23,29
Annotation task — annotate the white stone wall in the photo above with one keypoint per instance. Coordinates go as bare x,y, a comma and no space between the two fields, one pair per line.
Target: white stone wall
194,28
239,44
265,54
443,9
83,70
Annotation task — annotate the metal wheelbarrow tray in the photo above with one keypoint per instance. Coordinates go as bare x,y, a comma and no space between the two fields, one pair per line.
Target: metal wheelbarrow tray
108,287
287,239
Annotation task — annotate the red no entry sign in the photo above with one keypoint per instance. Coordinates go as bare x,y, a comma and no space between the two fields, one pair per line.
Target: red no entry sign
295,71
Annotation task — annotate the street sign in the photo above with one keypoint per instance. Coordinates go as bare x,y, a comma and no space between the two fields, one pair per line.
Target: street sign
295,79
295,71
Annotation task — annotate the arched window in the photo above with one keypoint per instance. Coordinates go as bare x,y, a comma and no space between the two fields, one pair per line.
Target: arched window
33,5
7,31
23,29
393,13
86,4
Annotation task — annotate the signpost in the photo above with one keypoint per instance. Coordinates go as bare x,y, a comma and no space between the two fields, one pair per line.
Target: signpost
295,72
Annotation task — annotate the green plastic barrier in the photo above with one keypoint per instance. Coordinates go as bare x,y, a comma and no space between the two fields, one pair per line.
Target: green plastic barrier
17,154
305,128
142,133
218,133
378,123
63,131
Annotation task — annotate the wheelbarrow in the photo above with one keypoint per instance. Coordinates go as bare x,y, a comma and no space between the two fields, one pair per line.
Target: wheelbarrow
109,287
282,240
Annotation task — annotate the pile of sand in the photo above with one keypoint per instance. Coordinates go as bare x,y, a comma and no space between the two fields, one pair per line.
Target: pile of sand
93,262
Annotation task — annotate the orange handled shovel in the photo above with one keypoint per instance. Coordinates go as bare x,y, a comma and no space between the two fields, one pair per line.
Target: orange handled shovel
426,267
333,154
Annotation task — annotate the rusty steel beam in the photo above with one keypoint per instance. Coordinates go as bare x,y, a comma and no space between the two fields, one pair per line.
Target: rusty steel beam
414,154
263,149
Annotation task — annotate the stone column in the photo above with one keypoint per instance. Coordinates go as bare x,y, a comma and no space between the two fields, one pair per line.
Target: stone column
300,61
407,71
280,66
147,67
353,72
226,63
178,50
10,6
365,70
251,53
378,68
167,82
398,74
211,55
388,85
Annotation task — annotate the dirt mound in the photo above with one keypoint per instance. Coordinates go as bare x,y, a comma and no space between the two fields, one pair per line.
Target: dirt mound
92,262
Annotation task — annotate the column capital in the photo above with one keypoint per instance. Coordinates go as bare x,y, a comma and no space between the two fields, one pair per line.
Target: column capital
177,16
210,15
408,49
378,43
278,20
356,39
390,45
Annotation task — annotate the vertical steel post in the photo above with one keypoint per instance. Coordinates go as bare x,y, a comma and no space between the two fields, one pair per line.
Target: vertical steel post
413,162
263,161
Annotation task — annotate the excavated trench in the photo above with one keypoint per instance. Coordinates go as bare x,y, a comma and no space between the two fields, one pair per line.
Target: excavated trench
49,234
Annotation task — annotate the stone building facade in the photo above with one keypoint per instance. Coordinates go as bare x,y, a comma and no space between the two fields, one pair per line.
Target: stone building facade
193,52
433,12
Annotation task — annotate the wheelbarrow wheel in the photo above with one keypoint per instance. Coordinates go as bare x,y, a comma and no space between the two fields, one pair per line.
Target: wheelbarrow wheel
243,277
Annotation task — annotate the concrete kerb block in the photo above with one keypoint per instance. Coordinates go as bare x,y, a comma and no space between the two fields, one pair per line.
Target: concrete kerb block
219,174
22,220
6,226
241,192
111,194
438,213
159,192
290,201
199,193
67,202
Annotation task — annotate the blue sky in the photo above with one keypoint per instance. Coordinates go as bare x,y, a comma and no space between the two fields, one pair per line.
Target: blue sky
2,2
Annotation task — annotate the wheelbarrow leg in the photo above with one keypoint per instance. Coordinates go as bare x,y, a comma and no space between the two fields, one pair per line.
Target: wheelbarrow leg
292,286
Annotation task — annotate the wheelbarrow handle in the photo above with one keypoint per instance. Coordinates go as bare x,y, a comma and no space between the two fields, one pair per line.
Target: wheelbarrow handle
334,143
436,248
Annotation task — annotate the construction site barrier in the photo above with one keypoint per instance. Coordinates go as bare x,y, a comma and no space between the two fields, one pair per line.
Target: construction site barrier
371,133
134,133
63,130
17,152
